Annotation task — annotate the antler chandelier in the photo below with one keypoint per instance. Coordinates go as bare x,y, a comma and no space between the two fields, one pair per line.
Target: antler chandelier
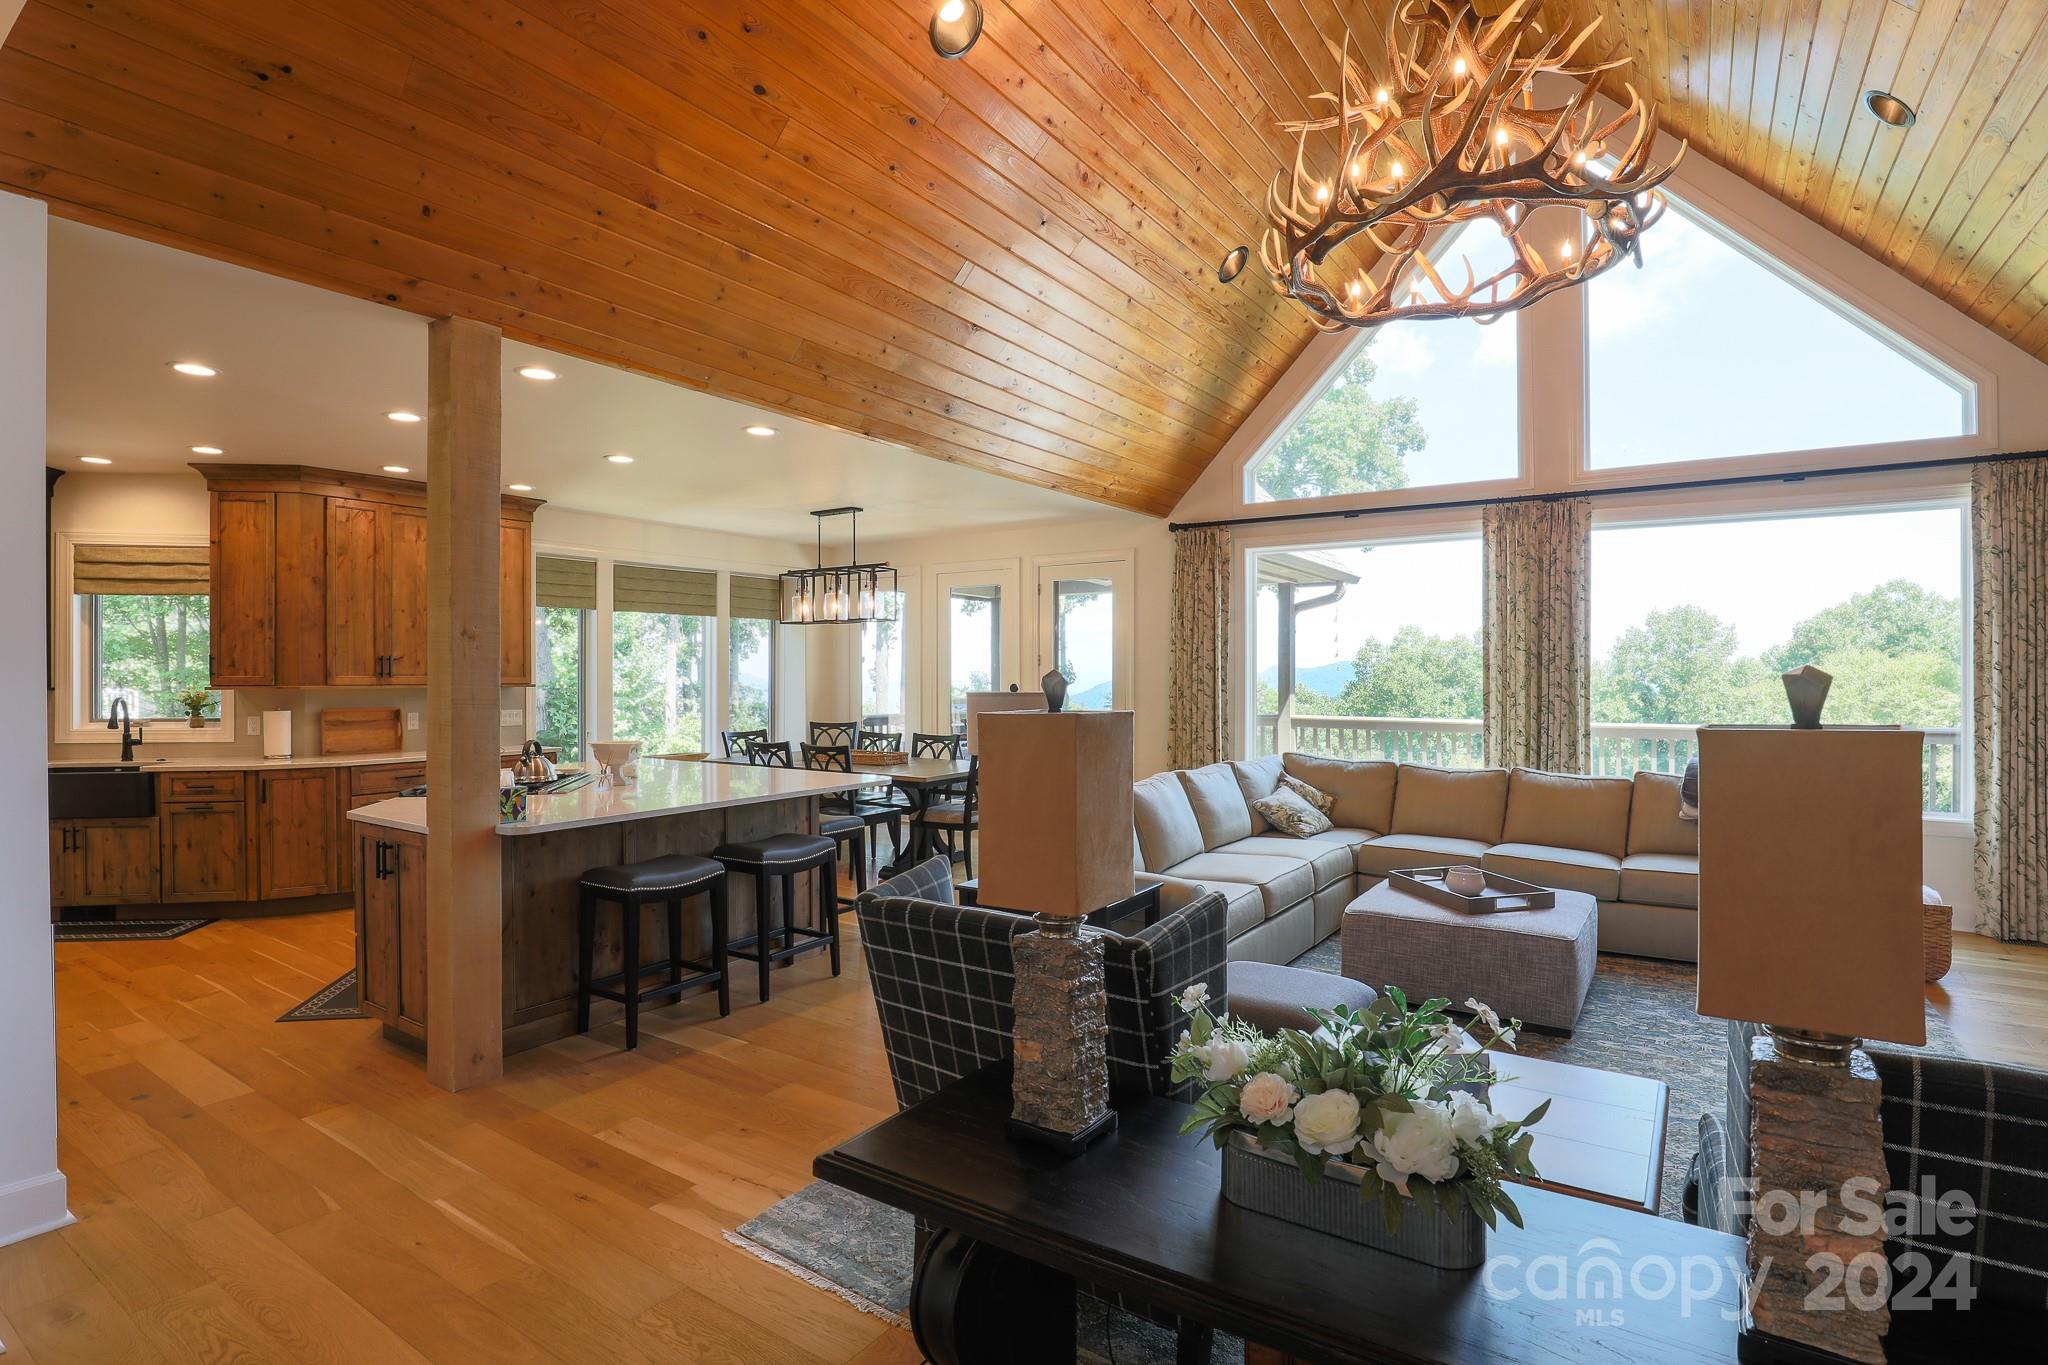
1451,135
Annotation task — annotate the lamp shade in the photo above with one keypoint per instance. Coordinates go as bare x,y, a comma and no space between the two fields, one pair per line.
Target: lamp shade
1056,810
1810,880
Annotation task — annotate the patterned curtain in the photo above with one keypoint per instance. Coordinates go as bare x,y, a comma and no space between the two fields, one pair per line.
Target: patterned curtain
1538,672
1198,649
2009,545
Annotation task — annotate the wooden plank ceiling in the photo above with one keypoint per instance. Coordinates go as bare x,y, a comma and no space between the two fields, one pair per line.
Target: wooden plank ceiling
1006,261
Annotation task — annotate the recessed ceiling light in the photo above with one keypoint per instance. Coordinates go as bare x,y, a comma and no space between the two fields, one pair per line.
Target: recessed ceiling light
194,368
94,459
619,459
396,469
520,487
403,416
208,450
1889,108
955,26
760,431
535,372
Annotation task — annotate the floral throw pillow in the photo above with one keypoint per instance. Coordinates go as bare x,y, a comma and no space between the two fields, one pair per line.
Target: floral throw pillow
1315,796
1290,814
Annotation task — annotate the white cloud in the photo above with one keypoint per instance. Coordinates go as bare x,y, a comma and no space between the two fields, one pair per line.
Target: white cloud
1402,348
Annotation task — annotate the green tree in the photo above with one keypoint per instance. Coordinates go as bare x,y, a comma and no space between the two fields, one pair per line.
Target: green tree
1679,667
1894,619
747,706
1416,674
1347,442
152,646
558,676
658,679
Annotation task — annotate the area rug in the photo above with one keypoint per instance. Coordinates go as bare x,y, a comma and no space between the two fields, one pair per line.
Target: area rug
849,1245
99,930
336,1000
1639,1020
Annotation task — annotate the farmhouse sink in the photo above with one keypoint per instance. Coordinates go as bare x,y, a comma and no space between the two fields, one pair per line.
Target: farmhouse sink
114,792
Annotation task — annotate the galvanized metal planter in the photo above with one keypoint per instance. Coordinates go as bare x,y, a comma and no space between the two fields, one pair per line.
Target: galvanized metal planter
1269,1183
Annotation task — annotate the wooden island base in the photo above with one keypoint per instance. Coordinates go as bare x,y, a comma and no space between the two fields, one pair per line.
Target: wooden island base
540,875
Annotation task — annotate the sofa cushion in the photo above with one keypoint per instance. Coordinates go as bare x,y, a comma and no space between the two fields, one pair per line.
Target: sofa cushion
1289,814
1364,792
1565,811
1271,997
1661,879
1220,808
1256,778
1396,852
1282,881
1244,907
1563,869
1331,858
1653,823
1167,831
1450,803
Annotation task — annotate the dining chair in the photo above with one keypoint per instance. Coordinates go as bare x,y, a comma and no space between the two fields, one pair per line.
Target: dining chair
881,741
831,732
936,746
736,741
945,817
874,814
762,754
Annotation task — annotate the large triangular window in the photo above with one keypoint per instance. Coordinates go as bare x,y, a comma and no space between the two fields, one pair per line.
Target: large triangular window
1411,405
1709,352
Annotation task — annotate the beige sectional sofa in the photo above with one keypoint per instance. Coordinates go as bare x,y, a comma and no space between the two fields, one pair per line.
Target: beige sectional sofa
1616,839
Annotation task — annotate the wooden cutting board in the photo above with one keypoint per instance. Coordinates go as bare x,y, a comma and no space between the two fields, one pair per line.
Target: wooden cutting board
360,730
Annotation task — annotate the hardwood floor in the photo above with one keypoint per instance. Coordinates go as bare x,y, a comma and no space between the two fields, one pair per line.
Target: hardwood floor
253,1191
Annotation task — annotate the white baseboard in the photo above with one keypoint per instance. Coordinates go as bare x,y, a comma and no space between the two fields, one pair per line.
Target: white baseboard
29,1208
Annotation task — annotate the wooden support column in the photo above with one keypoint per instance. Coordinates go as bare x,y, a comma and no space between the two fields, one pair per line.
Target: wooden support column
465,966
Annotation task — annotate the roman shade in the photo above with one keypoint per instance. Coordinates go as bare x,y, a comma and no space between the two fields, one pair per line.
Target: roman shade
756,599
568,583
672,592
103,570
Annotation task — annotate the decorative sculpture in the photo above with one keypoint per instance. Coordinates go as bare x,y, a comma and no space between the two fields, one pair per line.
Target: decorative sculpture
1806,687
1054,685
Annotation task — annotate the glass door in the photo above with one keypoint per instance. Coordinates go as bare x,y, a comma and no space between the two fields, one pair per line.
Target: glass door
1083,629
977,639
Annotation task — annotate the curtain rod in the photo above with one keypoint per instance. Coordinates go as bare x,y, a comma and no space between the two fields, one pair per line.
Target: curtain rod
1728,481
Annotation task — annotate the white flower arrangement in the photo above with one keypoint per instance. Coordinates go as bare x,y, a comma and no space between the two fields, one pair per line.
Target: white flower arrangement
1388,1091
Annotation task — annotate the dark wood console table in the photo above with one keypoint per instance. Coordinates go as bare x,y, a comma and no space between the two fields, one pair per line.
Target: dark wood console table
1140,1213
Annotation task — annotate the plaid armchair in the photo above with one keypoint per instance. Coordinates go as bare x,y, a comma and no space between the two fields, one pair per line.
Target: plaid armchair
942,975
1962,1125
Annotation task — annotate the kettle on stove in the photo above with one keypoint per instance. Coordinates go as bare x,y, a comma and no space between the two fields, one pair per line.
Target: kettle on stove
533,767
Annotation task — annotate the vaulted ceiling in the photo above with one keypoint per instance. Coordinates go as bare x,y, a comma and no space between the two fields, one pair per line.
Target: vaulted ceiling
1005,261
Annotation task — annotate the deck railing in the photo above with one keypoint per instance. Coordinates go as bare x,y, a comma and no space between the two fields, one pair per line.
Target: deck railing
1618,750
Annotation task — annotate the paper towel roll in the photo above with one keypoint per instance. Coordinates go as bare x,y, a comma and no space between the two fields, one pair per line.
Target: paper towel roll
277,734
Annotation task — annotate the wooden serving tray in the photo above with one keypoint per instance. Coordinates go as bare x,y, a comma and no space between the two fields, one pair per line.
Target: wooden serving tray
1502,892
876,758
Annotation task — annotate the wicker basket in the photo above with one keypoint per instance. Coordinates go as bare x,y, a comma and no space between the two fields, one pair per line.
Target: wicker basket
1937,936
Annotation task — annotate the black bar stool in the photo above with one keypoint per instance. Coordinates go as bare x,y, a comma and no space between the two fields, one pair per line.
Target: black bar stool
672,879
783,856
851,830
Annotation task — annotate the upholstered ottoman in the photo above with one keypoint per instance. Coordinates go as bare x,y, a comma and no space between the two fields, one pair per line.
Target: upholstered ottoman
1272,998
1532,965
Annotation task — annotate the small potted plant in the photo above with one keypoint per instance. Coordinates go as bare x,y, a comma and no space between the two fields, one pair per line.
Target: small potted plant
1373,1126
196,701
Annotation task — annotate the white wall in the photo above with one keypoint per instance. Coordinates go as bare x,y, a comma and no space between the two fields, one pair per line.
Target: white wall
32,1189
1018,549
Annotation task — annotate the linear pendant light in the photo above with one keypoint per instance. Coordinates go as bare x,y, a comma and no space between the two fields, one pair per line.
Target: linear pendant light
839,594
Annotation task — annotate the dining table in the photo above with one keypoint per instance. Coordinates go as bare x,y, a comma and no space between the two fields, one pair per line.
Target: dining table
923,782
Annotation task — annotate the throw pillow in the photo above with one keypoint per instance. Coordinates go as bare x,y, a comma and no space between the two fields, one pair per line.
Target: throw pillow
1290,814
1315,796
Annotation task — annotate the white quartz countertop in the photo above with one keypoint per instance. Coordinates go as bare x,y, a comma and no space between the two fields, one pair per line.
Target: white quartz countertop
228,763
665,787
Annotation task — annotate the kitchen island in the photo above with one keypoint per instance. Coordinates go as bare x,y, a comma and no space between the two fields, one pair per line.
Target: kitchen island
674,807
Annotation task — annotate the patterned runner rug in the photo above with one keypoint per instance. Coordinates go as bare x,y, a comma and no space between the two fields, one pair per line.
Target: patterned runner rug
336,1000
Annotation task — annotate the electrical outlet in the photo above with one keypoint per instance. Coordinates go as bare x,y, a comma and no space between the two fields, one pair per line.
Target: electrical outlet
511,719
412,720
255,725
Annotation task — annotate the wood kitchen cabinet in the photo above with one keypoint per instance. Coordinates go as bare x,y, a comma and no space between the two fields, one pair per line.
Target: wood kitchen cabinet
320,577
391,928
205,850
295,832
104,862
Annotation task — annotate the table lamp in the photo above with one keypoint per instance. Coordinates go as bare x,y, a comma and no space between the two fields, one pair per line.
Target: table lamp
1055,807
1809,924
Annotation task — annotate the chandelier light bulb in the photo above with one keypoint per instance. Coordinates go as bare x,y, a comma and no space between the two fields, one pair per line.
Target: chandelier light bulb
1566,248
1383,95
1322,194
1458,67
1395,171
1357,171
